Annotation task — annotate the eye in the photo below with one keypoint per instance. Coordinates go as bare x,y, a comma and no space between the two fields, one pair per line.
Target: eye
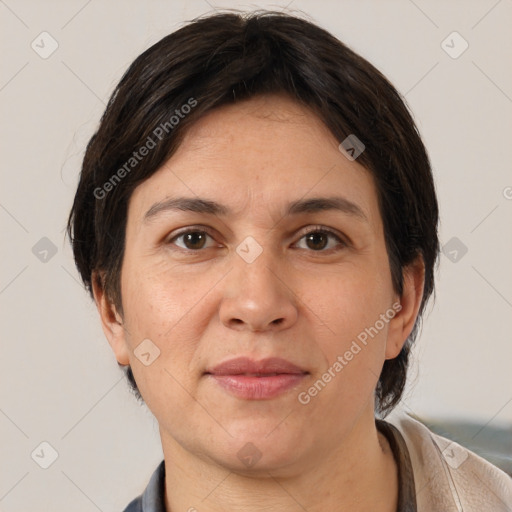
321,239
192,239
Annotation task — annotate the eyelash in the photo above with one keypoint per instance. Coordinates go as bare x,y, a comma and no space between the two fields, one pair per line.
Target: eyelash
314,230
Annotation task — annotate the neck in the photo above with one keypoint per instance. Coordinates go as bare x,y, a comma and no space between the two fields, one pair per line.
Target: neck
358,475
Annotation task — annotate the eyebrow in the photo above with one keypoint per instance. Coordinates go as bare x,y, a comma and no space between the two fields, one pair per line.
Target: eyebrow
199,205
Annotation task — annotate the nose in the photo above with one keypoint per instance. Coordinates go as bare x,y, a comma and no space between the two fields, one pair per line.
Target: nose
258,298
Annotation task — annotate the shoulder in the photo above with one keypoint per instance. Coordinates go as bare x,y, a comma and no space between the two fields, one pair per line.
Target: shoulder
135,505
449,477
152,499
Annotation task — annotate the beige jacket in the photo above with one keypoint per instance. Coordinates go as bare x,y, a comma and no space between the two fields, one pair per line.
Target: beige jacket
450,478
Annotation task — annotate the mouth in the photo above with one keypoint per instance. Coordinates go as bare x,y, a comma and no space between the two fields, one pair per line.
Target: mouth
248,379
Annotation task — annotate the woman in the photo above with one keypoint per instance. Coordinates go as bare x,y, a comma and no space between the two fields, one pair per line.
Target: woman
256,220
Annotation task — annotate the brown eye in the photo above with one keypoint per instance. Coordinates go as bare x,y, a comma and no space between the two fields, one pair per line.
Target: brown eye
192,240
321,240
317,241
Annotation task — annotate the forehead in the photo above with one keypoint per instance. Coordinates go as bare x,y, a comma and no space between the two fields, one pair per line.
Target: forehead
258,155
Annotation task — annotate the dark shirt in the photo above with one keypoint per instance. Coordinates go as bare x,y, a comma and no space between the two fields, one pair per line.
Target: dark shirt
153,498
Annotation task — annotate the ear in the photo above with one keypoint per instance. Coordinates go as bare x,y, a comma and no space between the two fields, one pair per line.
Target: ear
111,321
401,325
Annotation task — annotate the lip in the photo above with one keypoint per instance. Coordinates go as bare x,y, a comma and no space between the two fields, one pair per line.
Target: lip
257,380
246,365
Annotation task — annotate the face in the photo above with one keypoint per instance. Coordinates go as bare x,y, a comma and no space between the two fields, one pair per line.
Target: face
258,239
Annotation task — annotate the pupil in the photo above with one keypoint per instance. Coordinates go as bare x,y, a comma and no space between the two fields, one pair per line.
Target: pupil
195,240
319,241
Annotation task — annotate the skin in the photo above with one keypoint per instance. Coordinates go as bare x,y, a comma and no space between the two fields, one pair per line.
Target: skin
296,301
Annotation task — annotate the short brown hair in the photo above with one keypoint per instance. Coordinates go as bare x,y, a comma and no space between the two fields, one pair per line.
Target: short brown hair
230,57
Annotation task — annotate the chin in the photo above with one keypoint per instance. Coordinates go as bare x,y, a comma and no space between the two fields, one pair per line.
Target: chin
252,461
261,447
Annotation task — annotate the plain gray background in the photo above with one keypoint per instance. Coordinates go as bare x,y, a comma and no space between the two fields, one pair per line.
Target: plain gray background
60,382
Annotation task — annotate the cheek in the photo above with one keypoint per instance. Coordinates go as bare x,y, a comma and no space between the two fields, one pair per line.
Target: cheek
170,309
350,300
157,298
156,308
351,333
